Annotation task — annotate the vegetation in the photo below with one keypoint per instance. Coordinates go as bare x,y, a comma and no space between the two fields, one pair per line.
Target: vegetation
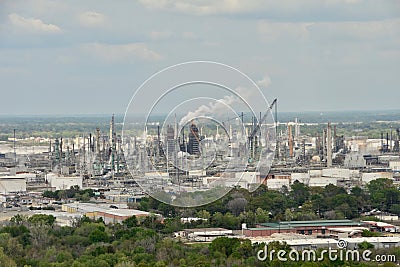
299,203
37,241
73,192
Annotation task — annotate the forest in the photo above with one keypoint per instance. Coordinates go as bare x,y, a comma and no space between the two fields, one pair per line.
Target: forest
38,241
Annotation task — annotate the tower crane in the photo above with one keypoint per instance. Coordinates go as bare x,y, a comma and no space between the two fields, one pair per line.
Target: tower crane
253,135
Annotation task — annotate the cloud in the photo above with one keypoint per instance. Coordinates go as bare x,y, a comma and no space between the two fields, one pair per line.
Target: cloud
361,30
204,7
264,82
92,19
120,53
32,25
289,9
160,35
338,31
272,31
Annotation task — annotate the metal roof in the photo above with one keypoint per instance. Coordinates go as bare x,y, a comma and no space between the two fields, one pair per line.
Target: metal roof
293,224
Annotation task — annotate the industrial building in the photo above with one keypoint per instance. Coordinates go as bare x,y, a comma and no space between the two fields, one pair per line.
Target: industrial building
194,140
58,182
203,234
322,228
115,214
12,184
301,244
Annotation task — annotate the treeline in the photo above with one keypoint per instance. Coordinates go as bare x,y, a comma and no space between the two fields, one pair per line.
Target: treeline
73,192
38,242
299,203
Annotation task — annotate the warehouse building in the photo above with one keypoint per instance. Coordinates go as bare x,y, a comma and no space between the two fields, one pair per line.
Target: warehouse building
321,228
12,184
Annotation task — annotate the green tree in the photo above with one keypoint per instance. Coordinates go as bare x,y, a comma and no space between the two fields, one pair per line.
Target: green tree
42,219
299,193
224,245
130,222
98,236
365,245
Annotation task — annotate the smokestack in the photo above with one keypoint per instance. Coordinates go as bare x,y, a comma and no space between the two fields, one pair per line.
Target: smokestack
61,147
98,140
112,131
90,142
387,142
290,137
329,146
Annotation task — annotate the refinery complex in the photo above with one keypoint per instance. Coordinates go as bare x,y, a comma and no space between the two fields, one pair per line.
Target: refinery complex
169,161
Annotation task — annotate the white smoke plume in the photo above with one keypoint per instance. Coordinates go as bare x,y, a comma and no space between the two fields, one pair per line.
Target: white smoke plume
218,107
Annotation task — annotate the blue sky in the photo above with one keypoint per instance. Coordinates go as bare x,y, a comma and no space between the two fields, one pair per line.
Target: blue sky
88,57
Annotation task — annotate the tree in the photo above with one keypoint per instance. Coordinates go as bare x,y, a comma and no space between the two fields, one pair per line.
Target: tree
42,219
203,214
365,245
224,245
98,236
300,193
367,233
18,219
237,205
395,208
130,222
262,216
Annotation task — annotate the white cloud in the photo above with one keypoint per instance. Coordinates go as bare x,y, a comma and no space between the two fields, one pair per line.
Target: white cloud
329,31
264,82
287,8
272,31
365,30
32,25
160,35
120,53
204,7
92,19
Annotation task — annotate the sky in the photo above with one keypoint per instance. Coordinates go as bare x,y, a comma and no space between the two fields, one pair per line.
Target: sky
89,57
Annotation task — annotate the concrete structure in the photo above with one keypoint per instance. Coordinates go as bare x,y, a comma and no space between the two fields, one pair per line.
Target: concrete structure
63,182
394,165
12,184
203,234
368,177
354,160
277,183
112,216
109,215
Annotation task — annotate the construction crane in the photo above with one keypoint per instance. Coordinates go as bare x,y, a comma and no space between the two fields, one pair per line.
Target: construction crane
253,135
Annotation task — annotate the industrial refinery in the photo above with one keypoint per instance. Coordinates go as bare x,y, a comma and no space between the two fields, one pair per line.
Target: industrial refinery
201,159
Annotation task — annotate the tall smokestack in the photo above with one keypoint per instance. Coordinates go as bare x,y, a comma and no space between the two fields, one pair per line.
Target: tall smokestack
290,137
98,140
329,146
112,131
